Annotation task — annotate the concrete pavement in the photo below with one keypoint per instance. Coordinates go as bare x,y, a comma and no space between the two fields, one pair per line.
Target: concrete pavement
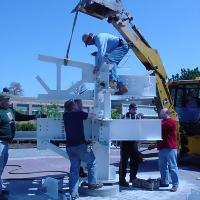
27,167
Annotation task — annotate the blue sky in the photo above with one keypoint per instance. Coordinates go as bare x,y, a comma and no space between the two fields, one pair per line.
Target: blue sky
32,27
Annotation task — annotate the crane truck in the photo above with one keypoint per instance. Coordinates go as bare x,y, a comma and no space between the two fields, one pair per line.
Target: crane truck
116,14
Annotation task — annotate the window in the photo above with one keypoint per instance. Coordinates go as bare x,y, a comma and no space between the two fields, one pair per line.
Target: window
179,97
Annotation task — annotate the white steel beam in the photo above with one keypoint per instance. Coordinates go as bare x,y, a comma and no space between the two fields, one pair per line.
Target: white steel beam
58,86
44,85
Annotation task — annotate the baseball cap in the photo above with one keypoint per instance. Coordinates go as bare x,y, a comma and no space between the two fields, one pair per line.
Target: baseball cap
132,106
85,37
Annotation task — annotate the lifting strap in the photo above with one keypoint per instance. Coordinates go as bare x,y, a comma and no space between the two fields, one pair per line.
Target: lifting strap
69,45
74,23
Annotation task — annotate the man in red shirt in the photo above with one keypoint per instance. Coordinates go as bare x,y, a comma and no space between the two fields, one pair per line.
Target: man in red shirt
168,151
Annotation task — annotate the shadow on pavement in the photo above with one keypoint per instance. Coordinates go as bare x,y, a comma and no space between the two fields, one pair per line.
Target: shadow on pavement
148,165
25,189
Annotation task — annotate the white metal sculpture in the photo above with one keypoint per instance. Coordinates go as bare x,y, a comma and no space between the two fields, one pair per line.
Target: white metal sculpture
102,129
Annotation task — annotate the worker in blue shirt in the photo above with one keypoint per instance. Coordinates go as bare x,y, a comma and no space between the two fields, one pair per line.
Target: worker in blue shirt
111,49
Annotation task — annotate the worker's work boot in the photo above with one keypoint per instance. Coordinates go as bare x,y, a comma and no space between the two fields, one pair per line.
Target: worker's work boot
74,198
113,84
122,90
123,184
95,186
174,188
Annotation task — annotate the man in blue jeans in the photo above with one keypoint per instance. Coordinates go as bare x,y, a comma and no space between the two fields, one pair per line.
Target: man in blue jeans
77,149
111,49
8,116
168,151
129,150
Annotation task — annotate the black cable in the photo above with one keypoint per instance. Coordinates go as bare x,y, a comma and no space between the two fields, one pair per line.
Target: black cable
19,166
69,45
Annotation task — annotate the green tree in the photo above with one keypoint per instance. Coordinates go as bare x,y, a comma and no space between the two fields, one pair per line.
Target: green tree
51,110
186,74
15,89
115,114
26,126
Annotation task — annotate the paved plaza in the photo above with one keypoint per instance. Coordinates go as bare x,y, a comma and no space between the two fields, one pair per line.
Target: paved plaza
27,169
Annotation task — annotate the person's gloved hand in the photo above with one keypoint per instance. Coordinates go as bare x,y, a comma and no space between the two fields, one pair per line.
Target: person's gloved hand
140,115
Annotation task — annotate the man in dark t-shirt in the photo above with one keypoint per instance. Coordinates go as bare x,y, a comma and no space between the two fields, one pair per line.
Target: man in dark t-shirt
77,149
74,127
129,150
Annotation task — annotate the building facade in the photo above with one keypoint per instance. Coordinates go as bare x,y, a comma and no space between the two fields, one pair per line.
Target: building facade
32,105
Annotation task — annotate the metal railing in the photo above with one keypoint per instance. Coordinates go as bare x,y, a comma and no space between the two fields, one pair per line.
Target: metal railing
25,136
